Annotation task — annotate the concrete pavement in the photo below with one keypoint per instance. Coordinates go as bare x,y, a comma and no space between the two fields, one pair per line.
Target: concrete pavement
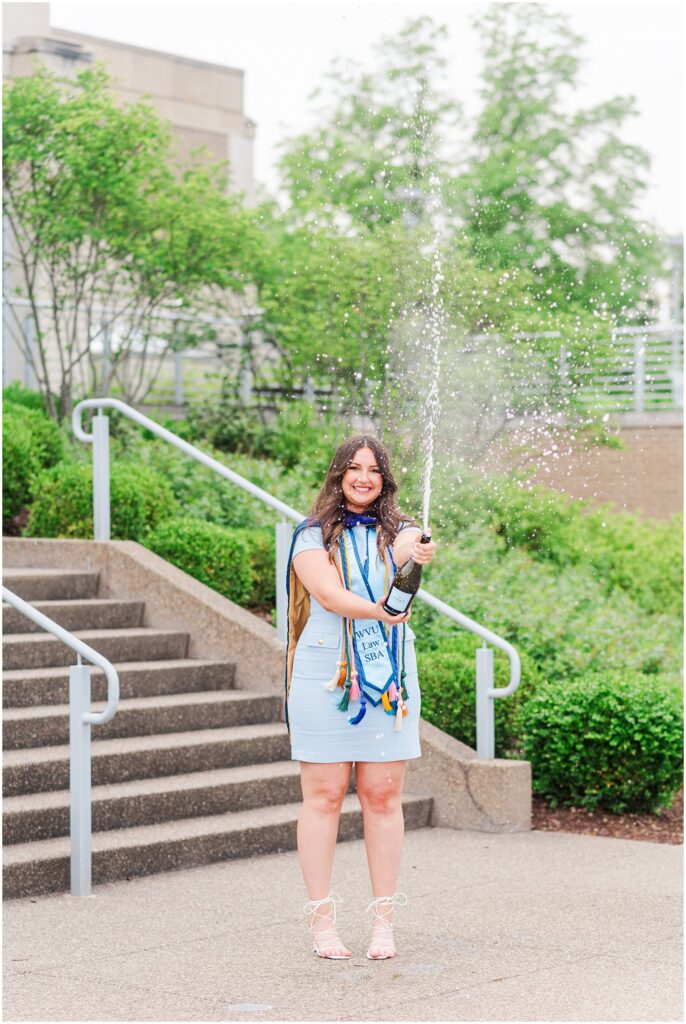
531,926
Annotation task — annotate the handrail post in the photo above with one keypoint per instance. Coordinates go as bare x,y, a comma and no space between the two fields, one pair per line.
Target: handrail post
485,712
284,536
80,778
639,372
101,476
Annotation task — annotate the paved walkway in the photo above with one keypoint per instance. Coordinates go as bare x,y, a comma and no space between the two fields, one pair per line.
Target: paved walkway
529,927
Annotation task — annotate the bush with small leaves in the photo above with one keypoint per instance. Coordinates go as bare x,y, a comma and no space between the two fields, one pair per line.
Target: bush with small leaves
20,464
261,547
214,555
605,741
31,441
63,502
447,676
17,393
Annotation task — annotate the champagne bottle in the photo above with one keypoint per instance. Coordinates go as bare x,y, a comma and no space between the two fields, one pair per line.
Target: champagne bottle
406,583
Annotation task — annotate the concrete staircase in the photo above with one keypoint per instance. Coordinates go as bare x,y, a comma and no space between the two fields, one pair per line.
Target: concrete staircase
191,769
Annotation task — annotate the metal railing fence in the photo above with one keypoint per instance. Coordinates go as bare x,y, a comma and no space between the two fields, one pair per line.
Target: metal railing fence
486,691
80,720
190,358
635,369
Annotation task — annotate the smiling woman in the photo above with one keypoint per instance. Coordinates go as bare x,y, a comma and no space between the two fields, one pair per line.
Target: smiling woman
352,693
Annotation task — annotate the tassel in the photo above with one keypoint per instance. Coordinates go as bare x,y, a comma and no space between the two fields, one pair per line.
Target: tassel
336,679
355,687
399,717
386,702
345,699
392,692
362,712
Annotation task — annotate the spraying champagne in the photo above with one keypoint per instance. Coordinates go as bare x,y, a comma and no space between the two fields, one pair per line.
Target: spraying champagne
406,582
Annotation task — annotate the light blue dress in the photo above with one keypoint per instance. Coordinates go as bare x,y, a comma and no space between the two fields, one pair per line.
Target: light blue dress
319,731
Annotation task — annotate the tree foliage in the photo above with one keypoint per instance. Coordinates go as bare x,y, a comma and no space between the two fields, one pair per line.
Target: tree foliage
548,184
533,183
369,161
106,230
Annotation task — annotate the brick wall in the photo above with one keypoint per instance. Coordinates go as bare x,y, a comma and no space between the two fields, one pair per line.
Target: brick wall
645,476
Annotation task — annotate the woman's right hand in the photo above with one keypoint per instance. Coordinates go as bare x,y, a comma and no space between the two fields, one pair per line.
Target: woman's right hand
391,620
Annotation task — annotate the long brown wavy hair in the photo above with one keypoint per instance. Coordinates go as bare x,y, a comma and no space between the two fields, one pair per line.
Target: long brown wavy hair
329,507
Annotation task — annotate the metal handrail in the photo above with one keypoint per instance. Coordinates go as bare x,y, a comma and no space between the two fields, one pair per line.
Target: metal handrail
82,649
486,691
178,442
80,721
486,635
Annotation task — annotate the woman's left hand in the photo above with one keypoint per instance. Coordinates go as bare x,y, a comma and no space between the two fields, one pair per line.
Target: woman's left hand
423,553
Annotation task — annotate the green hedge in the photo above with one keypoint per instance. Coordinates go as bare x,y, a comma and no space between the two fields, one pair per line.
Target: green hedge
19,466
562,619
296,436
63,502
31,441
605,741
18,394
448,683
620,550
216,556
261,547
203,494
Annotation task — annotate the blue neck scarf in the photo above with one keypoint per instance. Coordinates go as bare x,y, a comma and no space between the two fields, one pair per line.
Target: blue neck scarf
358,519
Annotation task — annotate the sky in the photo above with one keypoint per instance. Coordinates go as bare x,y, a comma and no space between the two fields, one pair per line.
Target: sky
286,48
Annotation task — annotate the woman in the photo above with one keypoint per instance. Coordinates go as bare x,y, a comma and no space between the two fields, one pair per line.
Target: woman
352,693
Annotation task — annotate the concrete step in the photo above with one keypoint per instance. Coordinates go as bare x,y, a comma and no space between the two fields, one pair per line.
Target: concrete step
37,769
95,613
51,584
43,866
39,650
143,716
39,686
145,801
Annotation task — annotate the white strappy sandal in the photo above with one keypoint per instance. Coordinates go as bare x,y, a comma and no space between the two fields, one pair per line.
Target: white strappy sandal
326,938
386,939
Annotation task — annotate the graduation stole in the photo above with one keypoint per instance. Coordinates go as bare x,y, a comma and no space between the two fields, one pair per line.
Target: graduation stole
371,664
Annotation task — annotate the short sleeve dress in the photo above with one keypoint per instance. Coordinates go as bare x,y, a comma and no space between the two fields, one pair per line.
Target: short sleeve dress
319,731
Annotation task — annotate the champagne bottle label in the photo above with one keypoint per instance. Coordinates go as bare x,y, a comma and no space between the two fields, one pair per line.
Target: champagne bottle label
398,600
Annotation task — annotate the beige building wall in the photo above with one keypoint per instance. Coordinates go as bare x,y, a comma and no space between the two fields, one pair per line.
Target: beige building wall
645,476
203,102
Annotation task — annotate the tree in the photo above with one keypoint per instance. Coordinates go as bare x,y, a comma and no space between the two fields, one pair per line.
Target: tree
532,184
107,233
370,161
550,187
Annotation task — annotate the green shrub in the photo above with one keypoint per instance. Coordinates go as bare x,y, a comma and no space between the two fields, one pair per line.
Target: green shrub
46,436
605,741
63,502
261,547
211,554
204,494
447,677
562,619
31,441
298,434
20,464
644,558
17,393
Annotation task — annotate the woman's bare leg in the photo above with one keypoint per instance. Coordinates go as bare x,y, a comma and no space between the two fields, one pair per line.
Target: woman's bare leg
379,788
324,787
